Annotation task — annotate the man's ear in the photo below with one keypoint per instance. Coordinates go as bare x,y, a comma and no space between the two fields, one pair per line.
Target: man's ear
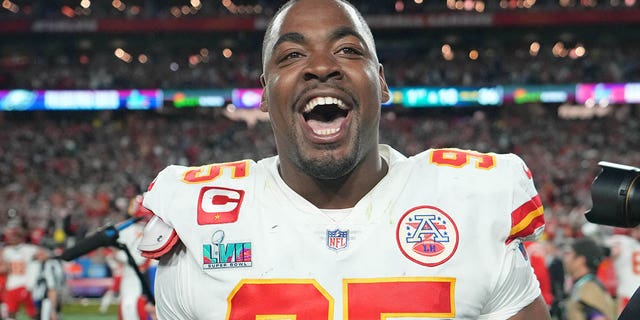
384,89
264,106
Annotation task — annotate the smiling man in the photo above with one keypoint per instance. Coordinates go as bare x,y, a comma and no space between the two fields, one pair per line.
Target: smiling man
337,226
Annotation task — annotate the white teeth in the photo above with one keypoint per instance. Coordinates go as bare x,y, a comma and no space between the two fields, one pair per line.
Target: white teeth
323,101
326,132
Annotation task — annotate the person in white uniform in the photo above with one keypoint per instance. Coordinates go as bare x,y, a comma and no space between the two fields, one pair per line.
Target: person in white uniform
132,301
625,252
337,226
19,260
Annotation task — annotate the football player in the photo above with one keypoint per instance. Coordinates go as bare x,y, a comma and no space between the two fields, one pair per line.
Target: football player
625,252
337,226
18,259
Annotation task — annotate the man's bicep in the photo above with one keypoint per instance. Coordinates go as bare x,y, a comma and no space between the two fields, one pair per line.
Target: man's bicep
536,310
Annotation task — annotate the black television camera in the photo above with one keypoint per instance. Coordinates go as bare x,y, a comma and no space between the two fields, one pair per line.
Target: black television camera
616,196
615,193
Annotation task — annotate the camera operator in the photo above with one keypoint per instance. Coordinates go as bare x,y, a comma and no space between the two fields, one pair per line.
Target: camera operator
589,299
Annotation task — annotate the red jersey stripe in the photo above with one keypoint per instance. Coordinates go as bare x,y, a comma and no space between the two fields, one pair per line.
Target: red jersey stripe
526,218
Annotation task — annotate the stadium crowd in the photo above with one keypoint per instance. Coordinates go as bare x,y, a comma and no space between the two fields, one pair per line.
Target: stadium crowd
144,9
425,58
64,174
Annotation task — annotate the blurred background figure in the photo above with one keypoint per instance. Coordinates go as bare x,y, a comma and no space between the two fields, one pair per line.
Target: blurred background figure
538,259
557,278
132,302
113,292
625,252
3,281
50,286
589,299
18,259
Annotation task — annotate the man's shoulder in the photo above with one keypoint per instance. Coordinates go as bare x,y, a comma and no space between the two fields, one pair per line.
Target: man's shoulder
19,249
218,173
210,171
178,186
464,161
210,194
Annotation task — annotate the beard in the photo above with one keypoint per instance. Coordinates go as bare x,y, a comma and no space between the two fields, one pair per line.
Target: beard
330,161
328,166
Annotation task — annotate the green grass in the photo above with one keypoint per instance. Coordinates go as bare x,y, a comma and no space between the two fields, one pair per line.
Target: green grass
83,310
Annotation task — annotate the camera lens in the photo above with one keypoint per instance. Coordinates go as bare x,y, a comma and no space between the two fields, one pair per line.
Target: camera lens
616,196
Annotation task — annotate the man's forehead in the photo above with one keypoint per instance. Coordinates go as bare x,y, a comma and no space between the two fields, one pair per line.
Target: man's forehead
284,23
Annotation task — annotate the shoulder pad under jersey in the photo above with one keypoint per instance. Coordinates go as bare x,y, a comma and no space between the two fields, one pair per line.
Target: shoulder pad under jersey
158,238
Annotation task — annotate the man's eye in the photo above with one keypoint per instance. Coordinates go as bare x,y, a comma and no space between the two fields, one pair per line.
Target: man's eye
291,55
350,51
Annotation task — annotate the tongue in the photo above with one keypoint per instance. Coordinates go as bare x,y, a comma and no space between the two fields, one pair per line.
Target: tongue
323,125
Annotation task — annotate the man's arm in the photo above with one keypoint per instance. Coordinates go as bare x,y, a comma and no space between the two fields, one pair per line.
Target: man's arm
536,310
52,295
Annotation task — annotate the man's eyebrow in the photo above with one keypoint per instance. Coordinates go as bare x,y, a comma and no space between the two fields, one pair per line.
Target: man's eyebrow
294,37
336,34
343,32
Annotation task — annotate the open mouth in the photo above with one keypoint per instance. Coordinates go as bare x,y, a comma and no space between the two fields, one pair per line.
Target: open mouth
325,115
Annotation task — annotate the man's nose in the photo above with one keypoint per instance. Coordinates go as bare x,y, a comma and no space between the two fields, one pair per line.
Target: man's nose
322,67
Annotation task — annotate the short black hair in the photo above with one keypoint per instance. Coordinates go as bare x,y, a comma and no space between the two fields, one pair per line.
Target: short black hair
590,250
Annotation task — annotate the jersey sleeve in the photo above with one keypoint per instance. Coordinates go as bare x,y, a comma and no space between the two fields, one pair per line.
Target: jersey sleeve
527,217
517,285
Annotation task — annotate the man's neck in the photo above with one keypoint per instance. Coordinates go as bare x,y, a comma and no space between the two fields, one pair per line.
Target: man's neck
579,274
339,193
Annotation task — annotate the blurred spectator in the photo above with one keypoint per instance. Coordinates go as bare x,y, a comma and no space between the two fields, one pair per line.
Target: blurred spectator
429,57
557,278
49,288
589,300
145,9
538,260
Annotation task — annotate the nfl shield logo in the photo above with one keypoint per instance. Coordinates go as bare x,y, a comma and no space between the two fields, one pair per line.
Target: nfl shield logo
337,239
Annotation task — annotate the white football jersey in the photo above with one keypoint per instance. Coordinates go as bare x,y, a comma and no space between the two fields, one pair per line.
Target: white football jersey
22,269
626,264
438,237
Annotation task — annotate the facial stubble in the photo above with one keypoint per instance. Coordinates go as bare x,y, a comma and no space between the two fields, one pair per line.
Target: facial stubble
329,165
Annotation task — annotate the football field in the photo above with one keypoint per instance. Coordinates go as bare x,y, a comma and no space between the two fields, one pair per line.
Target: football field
83,310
